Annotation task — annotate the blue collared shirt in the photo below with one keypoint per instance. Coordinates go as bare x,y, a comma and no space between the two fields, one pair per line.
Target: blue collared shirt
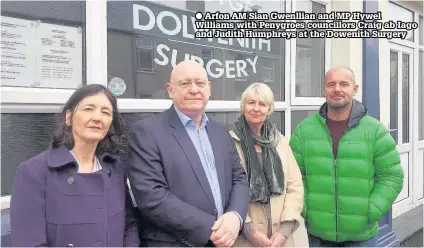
203,147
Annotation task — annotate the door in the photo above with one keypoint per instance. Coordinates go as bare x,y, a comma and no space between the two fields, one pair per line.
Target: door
405,113
401,117
419,141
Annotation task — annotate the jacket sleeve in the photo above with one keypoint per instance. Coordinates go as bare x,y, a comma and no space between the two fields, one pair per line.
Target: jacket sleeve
293,204
155,202
388,175
296,146
239,197
131,238
27,207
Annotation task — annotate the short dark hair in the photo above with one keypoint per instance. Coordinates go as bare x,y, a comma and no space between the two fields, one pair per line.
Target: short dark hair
111,143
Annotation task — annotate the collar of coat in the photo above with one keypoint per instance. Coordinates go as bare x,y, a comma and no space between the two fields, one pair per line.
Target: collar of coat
61,156
357,112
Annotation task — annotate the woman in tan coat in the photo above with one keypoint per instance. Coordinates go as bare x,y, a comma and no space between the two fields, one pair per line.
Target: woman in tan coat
276,188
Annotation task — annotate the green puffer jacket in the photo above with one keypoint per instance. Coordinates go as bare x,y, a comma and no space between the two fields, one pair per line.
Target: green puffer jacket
345,197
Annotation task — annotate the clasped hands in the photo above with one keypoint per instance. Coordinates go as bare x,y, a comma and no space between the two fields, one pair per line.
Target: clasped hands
225,230
258,239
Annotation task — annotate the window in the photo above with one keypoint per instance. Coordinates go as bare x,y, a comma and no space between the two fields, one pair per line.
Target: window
405,98
267,70
421,30
299,115
164,36
145,54
399,13
310,58
42,44
421,98
394,95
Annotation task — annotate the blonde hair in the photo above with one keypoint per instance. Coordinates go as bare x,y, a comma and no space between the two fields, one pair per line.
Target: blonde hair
264,93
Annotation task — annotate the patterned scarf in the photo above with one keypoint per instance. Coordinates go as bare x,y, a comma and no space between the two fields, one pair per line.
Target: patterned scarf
268,179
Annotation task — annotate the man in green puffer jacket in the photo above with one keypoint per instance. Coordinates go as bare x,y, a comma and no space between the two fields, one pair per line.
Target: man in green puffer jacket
350,167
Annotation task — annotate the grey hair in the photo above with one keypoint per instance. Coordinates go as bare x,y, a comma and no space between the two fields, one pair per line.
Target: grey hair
264,93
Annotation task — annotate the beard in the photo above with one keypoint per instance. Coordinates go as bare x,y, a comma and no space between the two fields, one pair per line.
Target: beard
338,106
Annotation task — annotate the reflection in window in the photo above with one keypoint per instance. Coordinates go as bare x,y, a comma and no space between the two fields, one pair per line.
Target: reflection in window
243,76
299,115
229,6
310,58
166,37
394,95
398,13
145,53
421,30
405,98
178,4
267,70
421,98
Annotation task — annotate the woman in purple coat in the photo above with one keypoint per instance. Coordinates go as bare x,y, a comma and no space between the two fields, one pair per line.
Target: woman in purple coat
75,193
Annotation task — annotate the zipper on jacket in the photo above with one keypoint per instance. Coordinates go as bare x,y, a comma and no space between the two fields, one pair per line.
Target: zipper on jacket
335,170
335,179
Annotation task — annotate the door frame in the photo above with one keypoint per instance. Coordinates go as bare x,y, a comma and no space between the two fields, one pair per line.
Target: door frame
400,206
413,180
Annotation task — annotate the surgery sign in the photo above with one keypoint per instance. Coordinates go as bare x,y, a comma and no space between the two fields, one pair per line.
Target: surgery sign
178,27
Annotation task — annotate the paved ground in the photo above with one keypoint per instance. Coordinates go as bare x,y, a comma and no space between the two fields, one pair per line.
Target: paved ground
416,240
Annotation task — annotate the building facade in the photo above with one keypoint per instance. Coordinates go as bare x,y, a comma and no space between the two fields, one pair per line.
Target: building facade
51,48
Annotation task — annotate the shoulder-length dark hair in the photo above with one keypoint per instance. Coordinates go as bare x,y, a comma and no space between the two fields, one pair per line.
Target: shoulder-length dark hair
111,143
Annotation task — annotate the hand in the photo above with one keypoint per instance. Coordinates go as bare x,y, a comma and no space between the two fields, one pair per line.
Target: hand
225,230
258,239
278,240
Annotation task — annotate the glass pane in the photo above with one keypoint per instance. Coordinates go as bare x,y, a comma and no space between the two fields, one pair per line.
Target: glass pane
421,30
42,44
299,115
217,116
231,63
310,58
145,60
277,118
398,13
394,95
421,98
405,98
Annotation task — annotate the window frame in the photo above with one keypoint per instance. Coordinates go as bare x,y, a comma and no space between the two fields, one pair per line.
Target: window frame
47,100
415,15
305,101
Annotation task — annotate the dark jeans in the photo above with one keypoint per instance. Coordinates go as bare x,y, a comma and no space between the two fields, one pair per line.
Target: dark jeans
317,242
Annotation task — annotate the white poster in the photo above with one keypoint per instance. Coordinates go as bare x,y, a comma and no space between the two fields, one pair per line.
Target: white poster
17,48
58,56
36,54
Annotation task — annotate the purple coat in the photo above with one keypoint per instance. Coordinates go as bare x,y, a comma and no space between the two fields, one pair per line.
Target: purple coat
53,205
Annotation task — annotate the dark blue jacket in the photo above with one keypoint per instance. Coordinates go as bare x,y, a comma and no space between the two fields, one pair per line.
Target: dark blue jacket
170,185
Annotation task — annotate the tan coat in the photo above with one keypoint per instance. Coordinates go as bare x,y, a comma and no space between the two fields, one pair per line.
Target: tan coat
285,207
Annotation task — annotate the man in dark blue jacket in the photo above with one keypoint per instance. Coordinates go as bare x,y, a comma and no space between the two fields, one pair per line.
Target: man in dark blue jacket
184,170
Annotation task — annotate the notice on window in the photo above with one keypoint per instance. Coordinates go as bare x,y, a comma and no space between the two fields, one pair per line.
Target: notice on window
17,47
36,54
59,56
